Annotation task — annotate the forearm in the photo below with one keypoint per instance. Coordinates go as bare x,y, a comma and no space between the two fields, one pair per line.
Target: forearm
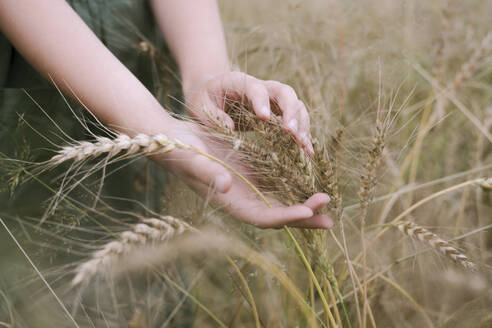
193,32
53,38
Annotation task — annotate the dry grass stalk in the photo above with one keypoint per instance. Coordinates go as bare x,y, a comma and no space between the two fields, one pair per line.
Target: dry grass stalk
485,183
470,66
465,73
150,232
163,69
415,231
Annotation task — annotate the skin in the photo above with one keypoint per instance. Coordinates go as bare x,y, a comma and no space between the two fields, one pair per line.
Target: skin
55,41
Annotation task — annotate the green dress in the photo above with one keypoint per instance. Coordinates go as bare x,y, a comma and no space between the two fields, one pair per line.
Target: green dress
121,25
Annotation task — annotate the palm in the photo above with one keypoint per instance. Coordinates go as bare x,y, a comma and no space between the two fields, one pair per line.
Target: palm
238,198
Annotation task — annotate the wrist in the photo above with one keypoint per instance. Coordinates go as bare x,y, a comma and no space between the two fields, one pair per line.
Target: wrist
150,120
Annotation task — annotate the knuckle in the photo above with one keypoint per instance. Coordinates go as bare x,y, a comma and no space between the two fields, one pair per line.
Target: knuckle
236,74
288,91
275,86
237,78
258,89
272,83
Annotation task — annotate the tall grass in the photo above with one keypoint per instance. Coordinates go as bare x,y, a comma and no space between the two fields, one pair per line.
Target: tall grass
400,97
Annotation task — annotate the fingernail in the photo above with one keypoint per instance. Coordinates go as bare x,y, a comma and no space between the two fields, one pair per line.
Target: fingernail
292,125
324,198
310,148
264,111
304,138
221,183
307,143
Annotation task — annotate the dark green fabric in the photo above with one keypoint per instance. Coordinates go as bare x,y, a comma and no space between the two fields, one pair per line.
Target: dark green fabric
121,25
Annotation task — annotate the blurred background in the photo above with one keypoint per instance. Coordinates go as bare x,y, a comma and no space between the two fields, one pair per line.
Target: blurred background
350,62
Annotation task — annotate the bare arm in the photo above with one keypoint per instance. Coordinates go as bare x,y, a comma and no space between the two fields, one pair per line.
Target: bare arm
53,38
193,31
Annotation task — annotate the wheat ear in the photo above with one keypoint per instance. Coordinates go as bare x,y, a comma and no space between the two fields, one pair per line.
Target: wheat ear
150,232
415,231
140,143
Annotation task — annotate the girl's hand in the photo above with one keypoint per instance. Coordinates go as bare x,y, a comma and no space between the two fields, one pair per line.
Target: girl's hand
208,99
228,192
55,40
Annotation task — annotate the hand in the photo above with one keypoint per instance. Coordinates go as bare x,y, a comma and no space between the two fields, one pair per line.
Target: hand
229,192
209,97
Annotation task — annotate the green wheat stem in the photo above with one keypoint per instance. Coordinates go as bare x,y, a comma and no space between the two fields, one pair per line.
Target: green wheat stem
313,277
193,298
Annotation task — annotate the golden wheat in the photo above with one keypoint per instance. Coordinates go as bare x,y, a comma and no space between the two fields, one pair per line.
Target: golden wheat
415,231
141,143
150,232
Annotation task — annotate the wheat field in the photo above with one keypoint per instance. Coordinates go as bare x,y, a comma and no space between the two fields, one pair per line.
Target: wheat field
400,101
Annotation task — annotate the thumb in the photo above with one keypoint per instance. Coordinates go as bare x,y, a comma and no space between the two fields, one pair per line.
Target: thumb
206,172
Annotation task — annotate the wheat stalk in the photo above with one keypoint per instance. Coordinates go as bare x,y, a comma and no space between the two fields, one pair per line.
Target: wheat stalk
415,231
140,143
368,178
150,232
366,194
278,163
485,183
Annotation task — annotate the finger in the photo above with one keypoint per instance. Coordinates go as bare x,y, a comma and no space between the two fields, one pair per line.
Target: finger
317,201
208,173
239,84
280,216
318,221
208,111
304,129
257,93
287,101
